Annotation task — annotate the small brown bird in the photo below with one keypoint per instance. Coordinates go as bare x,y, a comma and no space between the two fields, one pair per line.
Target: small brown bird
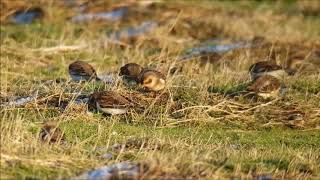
82,71
50,132
266,86
109,102
266,68
130,73
152,80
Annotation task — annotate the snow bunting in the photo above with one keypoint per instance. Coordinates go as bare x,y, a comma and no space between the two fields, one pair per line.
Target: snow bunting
266,68
109,102
130,73
82,71
152,80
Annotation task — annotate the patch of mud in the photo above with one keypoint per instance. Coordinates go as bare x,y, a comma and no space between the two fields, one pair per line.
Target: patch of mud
114,15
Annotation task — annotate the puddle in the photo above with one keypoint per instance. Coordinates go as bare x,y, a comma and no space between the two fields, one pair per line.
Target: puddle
20,101
109,16
122,170
26,16
134,31
198,51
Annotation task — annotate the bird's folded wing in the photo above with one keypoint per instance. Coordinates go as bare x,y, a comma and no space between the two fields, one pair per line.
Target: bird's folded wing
114,101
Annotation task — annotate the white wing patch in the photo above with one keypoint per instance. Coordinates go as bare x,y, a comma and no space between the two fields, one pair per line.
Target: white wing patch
112,111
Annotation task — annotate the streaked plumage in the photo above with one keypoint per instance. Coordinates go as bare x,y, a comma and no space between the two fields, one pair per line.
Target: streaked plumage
50,132
109,102
152,80
130,72
82,71
266,86
266,68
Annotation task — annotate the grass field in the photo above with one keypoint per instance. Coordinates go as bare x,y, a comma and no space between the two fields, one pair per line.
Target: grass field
192,129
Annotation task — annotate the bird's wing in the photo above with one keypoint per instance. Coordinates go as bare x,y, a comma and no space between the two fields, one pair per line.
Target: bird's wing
112,100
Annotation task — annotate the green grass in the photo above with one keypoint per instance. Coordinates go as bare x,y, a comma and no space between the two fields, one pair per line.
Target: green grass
203,133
